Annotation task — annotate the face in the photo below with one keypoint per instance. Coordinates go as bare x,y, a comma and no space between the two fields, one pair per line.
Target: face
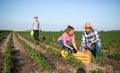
71,32
36,19
87,29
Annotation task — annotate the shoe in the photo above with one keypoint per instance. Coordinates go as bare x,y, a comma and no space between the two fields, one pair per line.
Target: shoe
38,40
97,62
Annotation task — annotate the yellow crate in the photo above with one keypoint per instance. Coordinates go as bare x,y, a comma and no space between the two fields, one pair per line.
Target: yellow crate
85,57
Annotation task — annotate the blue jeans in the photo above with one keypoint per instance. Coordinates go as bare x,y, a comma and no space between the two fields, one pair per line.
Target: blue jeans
68,43
95,49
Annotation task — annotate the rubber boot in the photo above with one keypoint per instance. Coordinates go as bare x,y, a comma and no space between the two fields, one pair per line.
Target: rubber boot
93,52
97,54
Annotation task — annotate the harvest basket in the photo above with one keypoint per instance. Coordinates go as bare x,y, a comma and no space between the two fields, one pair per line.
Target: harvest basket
84,57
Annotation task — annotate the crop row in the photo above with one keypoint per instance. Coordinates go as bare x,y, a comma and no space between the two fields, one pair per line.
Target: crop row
70,59
43,63
51,51
116,55
3,35
8,63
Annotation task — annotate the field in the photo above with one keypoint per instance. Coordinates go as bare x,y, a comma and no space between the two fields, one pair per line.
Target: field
20,53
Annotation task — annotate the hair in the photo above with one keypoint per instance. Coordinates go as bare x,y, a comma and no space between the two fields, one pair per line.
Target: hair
69,28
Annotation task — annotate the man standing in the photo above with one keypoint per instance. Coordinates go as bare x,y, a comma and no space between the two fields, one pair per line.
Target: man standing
91,41
36,28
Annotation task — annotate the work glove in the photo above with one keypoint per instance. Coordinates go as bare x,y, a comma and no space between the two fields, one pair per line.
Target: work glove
74,50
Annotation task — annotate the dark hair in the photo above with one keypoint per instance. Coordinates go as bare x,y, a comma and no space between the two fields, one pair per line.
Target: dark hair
69,28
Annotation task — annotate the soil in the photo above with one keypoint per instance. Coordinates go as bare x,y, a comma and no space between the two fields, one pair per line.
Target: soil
3,46
22,61
88,67
61,66
58,63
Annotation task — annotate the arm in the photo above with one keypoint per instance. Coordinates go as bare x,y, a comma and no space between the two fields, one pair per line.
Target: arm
74,45
83,41
64,43
92,42
68,46
38,26
73,42
64,36
96,38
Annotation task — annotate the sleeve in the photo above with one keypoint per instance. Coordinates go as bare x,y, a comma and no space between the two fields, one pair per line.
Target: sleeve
38,25
73,39
96,35
63,37
83,38
64,42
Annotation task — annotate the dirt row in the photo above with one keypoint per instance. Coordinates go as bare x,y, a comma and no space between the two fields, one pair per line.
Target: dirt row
3,46
59,64
88,68
22,61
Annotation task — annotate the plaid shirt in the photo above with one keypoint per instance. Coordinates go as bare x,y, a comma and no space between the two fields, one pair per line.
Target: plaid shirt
87,38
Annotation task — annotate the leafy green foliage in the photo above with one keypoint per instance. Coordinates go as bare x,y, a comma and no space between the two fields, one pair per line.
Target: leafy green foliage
3,34
116,55
8,63
43,63
110,40
117,68
53,52
75,62
96,71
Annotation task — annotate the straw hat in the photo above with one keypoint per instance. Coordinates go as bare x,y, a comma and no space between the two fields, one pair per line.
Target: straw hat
88,25
35,17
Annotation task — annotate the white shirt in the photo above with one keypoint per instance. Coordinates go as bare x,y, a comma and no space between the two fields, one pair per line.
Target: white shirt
35,25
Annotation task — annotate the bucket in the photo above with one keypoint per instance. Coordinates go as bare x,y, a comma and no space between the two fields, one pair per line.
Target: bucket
31,32
64,54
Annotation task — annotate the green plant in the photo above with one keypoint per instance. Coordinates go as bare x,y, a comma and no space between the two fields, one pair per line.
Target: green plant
116,55
117,68
8,63
53,52
75,62
96,71
44,64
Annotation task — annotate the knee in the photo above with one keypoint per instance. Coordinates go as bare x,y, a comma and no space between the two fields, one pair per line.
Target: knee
68,43
60,42
98,45
67,49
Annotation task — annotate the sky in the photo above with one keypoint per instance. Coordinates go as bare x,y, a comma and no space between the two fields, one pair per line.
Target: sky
56,15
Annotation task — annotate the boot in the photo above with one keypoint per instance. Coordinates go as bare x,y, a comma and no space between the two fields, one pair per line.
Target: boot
97,54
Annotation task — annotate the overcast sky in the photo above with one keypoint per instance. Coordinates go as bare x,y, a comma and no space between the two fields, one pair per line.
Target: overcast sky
55,15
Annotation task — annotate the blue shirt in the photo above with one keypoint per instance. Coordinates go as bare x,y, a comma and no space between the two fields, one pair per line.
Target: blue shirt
87,38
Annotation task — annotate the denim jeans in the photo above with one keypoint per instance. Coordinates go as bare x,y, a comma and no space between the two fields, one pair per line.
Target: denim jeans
68,43
36,34
95,49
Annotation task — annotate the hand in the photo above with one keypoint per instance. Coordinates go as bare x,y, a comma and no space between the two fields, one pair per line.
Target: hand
83,50
89,45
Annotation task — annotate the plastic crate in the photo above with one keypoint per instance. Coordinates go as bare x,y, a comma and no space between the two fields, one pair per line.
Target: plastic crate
84,57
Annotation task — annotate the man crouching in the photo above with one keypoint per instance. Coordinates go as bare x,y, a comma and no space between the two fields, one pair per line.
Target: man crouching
91,41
